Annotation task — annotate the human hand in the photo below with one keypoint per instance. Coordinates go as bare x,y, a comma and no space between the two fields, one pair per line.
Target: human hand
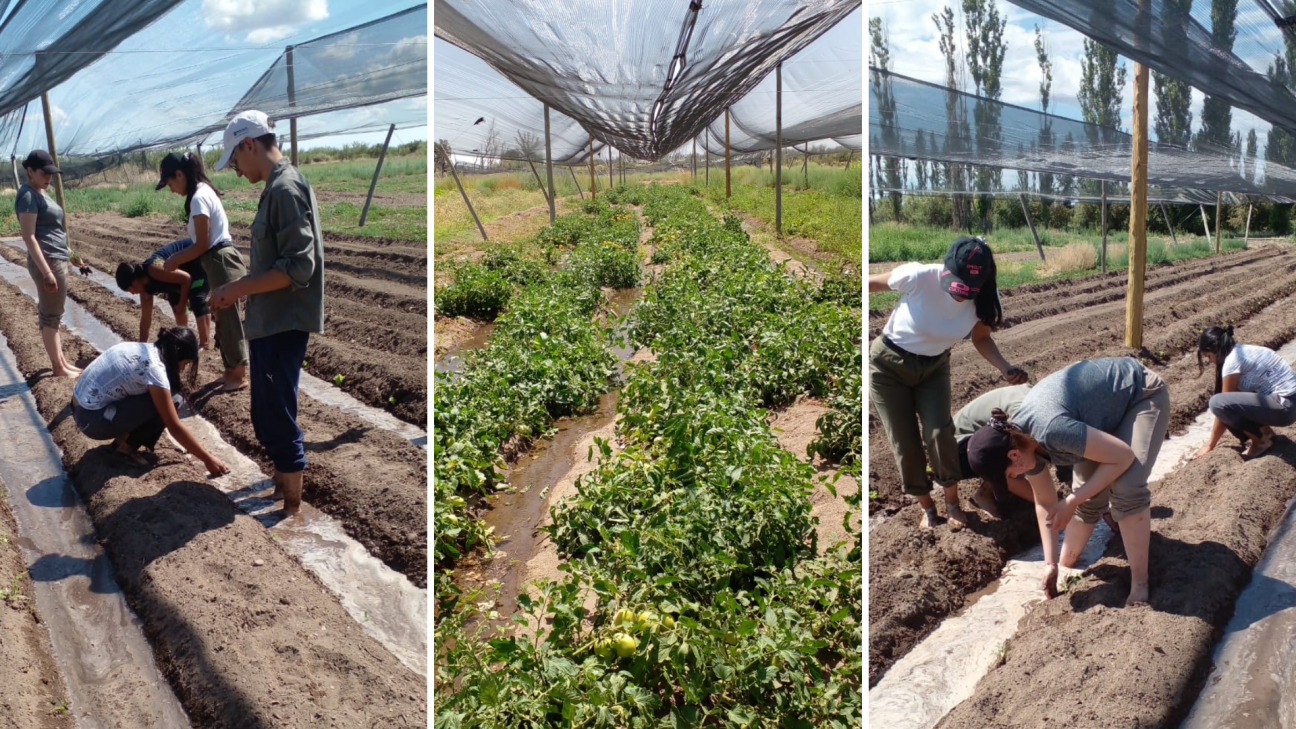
215,467
1050,582
51,283
1016,375
1059,515
1200,452
222,297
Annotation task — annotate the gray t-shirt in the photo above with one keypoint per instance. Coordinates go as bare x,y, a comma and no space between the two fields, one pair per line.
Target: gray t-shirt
1092,393
49,222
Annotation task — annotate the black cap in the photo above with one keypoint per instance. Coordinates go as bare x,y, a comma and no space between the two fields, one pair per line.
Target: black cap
968,263
987,457
167,169
39,159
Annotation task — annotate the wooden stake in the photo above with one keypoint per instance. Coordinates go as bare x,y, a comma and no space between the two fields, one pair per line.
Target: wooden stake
578,190
1246,237
292,102
445,155
728,189
593,183
706,156
778,148
611,183
1104,226
539,181
693,176
1169,223
1205,224
549,166
1138,212
58,179
1026,209
1219,207
805,165
372,185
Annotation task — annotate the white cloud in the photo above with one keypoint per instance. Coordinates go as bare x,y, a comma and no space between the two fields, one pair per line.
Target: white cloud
342,49
263,21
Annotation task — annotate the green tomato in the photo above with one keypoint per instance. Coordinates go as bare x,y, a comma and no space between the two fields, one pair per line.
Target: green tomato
603,649
731,638
452,519
624,644
624,616
668,622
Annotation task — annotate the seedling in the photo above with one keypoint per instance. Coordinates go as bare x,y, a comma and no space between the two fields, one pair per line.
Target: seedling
391,400
1072,581
11,593
60,709
337,379
1001,654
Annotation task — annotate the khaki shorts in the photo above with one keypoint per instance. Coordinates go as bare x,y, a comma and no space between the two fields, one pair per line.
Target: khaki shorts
1144,430
49,304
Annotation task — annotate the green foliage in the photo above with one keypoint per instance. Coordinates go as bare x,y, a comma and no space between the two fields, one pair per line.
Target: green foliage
478,291
138,205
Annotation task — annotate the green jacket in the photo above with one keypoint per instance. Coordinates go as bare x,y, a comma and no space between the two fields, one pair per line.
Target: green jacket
286,235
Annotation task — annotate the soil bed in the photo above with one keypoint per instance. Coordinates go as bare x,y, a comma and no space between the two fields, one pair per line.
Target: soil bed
243,633
917,579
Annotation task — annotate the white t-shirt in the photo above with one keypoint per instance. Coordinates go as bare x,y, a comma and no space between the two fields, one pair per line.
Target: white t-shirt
125,369
927,320
207,202
1263,371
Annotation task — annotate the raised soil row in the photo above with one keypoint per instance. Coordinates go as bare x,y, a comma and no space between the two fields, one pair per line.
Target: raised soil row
242,644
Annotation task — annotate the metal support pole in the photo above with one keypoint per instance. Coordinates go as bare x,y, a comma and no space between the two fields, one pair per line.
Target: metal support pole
593,183
1026,209
728,189
1219,207
578,190
377,170
1246,237
58,179
549,166
1138,211
292,102
1169,223
778,147
1104,226
1205,224
445,155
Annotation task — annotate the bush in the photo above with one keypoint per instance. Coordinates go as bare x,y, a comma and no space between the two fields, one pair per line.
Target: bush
138,206
478,292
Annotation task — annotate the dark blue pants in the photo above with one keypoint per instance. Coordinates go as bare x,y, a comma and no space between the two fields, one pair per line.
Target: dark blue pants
275,362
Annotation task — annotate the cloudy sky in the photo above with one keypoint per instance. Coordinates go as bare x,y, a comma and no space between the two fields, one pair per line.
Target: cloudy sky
915,52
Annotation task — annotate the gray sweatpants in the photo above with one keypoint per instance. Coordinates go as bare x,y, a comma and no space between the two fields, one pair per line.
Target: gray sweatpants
1244,413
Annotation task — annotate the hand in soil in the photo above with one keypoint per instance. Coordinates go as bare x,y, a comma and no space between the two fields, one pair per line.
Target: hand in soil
1050,582
215,467
956,516
1016,376
1200,452
1138,594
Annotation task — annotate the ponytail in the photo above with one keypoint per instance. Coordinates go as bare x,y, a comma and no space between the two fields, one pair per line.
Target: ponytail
176,344
1218,341
128,273
194,172
988,309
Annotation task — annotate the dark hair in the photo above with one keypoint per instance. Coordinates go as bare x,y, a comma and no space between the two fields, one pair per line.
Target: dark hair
192,167
1018,437
127,273
269,141
988,309
176,344
1219,341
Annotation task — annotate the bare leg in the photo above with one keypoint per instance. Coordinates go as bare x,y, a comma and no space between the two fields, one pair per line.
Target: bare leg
953,510
292,488
54,348
1077,536
181,316
236,379
204,331
984,500
929,508
1136,532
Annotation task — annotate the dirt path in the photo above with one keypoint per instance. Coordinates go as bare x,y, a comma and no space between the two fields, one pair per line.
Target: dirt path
243,633
375,307
507,228
918,578
33,688
795,427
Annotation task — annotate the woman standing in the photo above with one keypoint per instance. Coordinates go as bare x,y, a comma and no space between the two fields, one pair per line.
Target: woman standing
184,288
1107,417
183,174
1255,389
41,222
909,373
125,396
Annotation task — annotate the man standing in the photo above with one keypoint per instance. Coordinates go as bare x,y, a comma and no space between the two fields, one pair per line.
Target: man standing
284,290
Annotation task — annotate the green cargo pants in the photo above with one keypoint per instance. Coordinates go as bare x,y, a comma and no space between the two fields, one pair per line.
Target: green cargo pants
222,266
906,389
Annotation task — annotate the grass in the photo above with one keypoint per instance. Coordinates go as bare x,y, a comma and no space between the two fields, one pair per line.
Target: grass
1081,258
137,198
13,593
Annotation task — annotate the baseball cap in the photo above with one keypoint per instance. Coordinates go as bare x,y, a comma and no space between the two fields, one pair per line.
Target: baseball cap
248,124
987,457
968,263
39,159
168,167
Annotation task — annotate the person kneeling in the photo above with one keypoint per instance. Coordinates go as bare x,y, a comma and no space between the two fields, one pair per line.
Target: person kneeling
125,395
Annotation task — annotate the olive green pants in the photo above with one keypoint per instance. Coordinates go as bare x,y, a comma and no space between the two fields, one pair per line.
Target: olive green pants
905,389
222,266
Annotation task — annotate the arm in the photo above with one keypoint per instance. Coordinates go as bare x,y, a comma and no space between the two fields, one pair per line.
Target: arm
180,277
1113,457
27,224
202,241
1045,502
1231,383
262,283
878,282
986,347
295,262
166,408
146,315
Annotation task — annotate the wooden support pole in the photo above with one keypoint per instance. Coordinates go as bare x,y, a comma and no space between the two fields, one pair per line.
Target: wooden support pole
805,166
1169,223
849,155
578,190
706,156
539,181
728,189
1104,226
1205,223
611,183
1246,237
549,166
445,155
778,148
377,170
593,182
58,179
292,102
1219,207
1138,212
693,174
1026,209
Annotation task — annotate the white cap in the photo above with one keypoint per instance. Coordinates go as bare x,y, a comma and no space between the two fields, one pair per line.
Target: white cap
249,124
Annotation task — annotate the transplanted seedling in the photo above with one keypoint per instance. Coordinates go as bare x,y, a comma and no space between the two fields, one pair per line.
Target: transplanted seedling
11,593
1001,654
1071,581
